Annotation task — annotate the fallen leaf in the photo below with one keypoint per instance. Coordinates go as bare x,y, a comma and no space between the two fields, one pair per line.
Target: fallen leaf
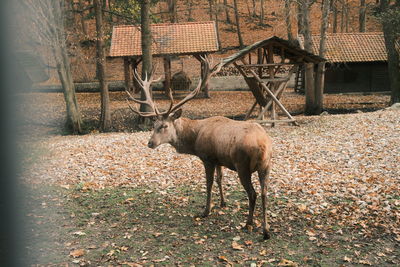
365,262
79,233
223,258
77,253
248,242
347,259
289,263
236,246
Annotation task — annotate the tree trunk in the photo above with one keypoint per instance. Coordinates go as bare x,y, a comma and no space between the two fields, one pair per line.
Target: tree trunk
254,12
167,70
239,33
206,87
74,120
309,67
262,12
82,17
189,6
217,26
362,17
105,116
146,47
299,18
390,32
320,75
342,24
335,18
210,6
226,7
288,18
171,10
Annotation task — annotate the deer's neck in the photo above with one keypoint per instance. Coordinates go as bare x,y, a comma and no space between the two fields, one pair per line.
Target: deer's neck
186,135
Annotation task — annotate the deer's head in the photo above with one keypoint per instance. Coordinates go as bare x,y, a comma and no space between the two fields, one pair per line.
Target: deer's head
164,126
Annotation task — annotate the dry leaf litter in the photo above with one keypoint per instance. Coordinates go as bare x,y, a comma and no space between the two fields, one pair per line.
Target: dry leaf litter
345,167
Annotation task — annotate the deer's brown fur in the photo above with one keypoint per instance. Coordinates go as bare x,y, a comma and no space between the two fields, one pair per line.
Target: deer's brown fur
218,141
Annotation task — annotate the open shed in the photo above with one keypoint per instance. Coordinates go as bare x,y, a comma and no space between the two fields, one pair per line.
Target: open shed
267,66
357,62
169,40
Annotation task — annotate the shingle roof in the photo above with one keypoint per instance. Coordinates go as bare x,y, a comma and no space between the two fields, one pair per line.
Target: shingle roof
291,51
168,38
353,47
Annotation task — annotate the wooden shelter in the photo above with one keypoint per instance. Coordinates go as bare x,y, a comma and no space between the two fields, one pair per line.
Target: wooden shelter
169,39
267,66
356,62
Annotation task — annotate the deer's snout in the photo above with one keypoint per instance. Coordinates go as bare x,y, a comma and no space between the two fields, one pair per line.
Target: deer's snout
151,144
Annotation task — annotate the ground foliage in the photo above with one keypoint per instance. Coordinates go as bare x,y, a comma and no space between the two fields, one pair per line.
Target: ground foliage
106,199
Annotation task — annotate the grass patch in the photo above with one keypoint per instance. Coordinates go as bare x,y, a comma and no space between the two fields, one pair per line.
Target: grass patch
122,226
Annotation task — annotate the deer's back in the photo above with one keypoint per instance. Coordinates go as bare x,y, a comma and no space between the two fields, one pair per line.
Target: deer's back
228,143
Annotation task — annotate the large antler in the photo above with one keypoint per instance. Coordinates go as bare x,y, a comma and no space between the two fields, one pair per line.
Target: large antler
145,86
203,81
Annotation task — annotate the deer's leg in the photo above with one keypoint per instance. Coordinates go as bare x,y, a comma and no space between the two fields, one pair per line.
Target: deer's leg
245,179
219,181
263,176
210,169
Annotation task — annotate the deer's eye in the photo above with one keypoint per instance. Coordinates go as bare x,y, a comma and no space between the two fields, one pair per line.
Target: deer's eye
164,126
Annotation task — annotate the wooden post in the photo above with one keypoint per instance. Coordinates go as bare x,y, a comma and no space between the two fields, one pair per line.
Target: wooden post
167,70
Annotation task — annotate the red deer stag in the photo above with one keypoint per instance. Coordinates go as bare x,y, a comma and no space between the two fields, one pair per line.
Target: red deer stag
218,141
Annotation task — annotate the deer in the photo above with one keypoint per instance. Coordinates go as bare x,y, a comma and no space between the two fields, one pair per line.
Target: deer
241,146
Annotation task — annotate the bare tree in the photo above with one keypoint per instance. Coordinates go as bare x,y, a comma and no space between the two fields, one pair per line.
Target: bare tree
304,8
239,33
389,14
82,17
288,19
262,13
105,116
226,7
46,26
335,16
146,47
172,8
189,4
314,81
362,15
320,75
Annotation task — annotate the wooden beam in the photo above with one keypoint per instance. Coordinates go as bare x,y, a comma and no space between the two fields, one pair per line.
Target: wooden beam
248,113
272,95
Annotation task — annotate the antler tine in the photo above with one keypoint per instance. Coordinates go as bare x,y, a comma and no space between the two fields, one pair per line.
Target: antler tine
145,87
203,81
171,104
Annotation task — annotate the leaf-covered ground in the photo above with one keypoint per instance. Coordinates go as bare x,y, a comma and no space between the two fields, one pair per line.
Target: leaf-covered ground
106,199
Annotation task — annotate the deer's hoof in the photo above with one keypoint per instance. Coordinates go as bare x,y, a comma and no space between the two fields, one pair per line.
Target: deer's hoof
223,204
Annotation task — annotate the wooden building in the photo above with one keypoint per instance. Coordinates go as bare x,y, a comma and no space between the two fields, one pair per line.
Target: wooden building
169,40
357,62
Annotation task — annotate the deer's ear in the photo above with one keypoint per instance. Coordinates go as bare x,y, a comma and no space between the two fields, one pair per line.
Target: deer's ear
176,115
